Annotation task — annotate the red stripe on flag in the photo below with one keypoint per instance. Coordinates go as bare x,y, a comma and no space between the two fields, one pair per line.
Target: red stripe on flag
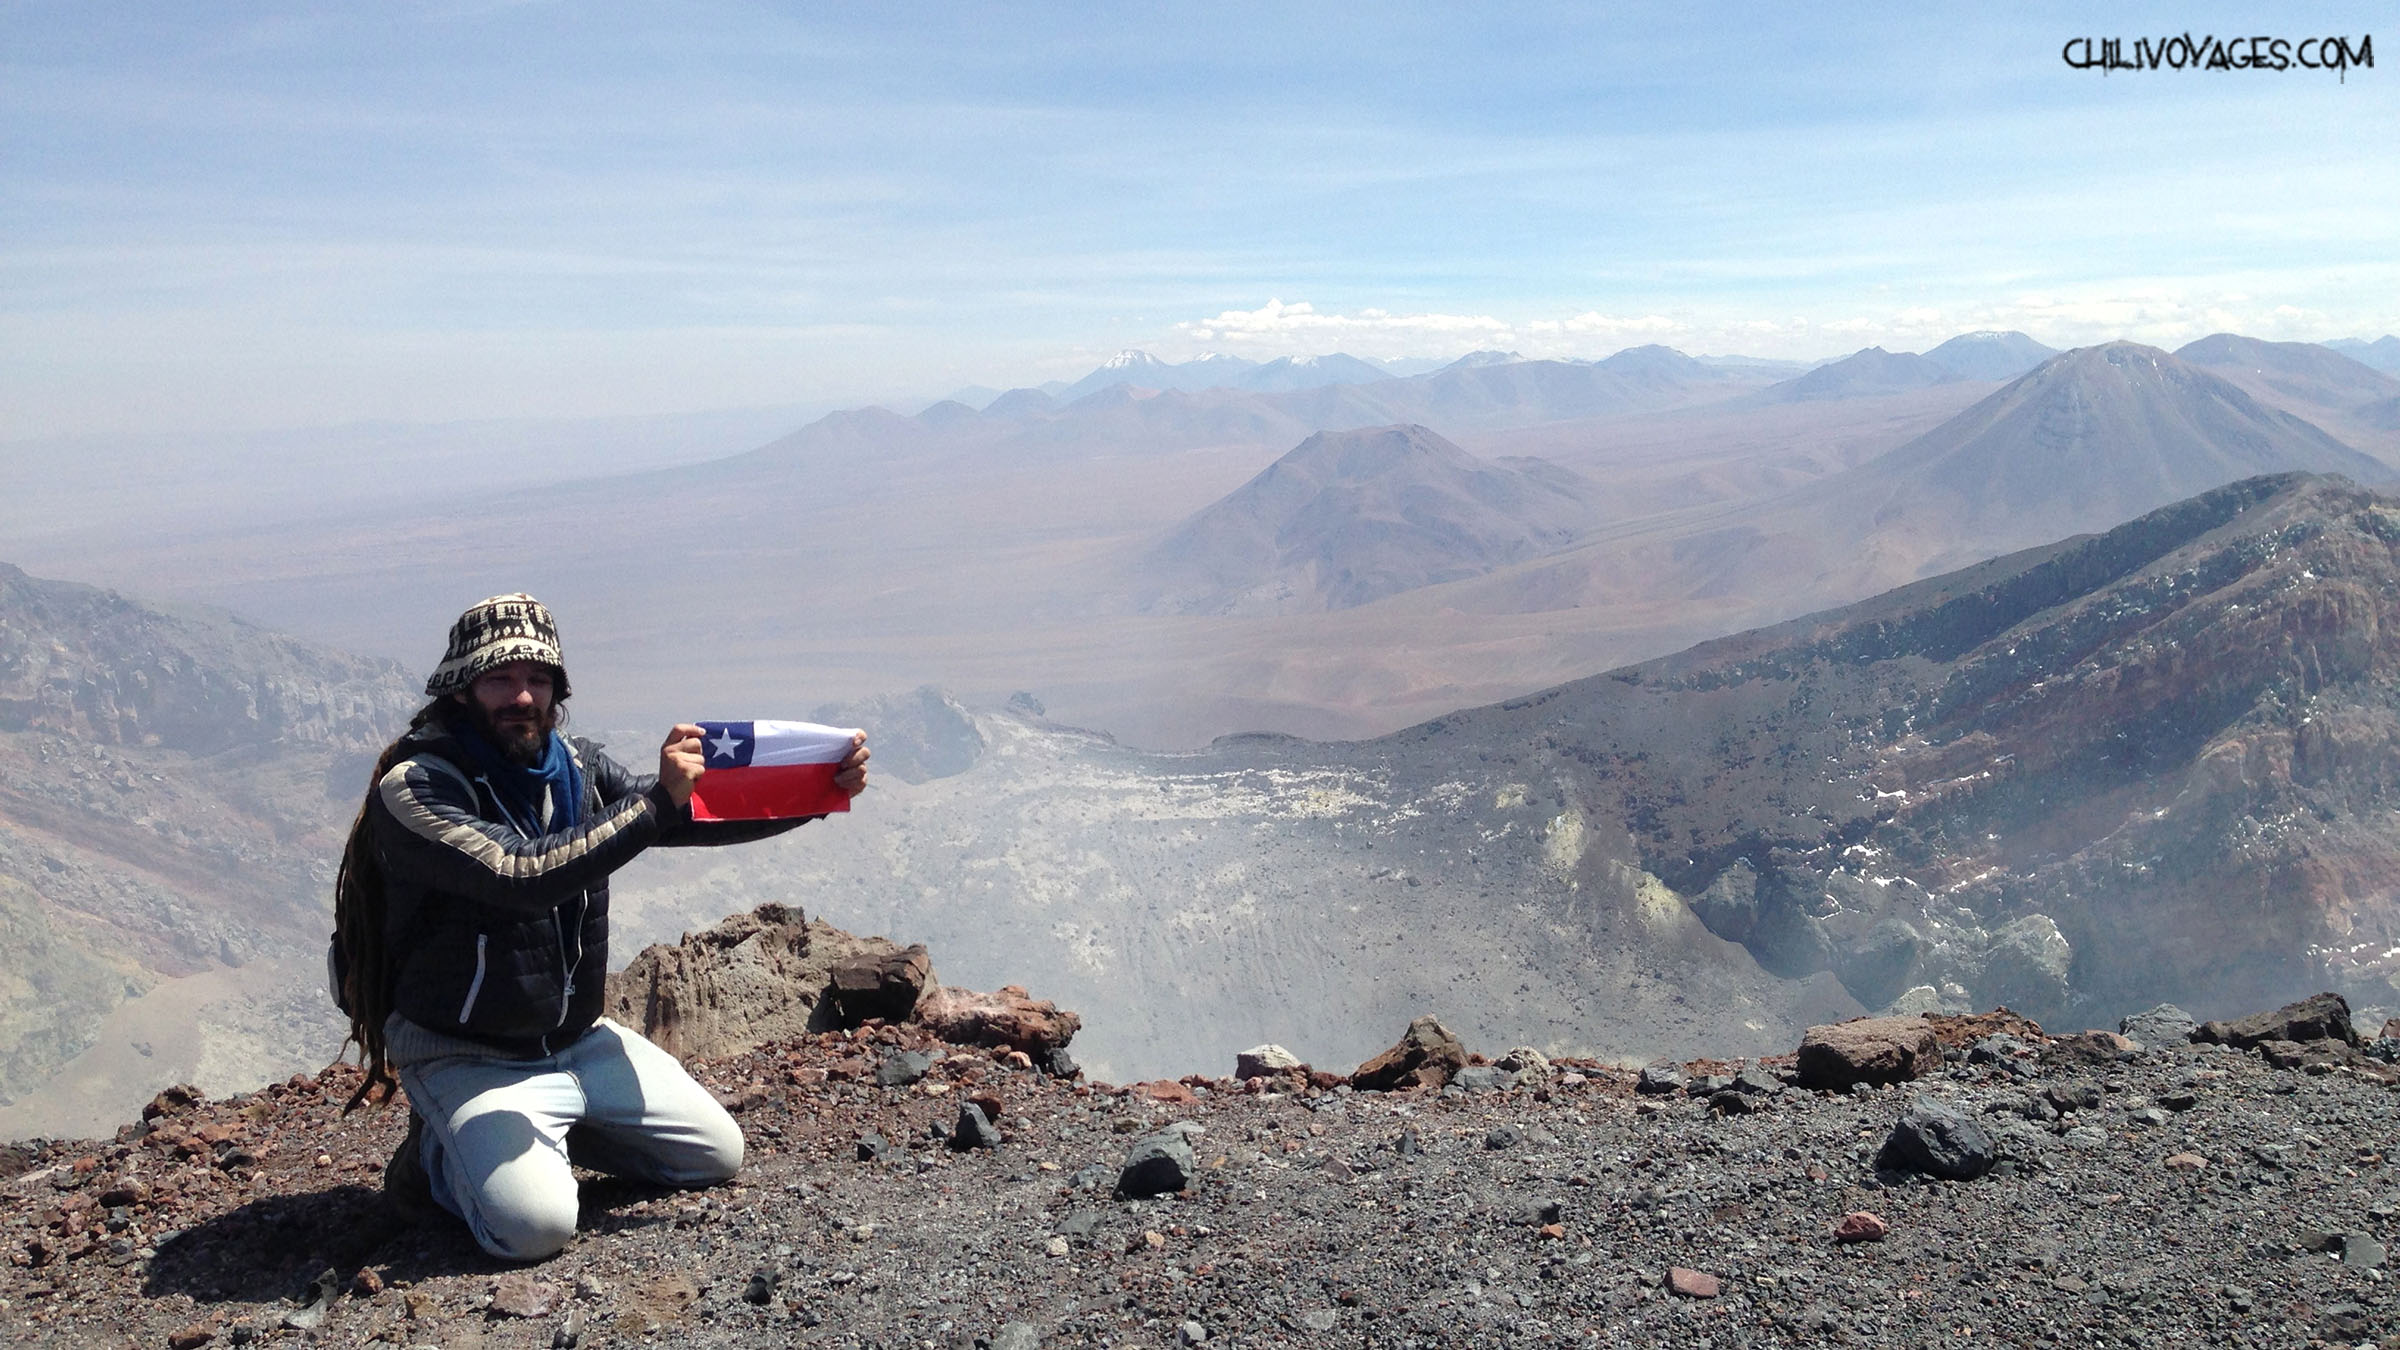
767,792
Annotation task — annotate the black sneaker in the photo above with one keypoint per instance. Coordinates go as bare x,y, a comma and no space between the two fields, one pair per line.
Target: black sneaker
406,1188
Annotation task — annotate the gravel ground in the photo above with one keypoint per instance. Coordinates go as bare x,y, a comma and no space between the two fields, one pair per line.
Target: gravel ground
1573,1211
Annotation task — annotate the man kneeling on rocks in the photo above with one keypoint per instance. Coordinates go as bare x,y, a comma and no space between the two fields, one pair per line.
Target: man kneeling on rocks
471,945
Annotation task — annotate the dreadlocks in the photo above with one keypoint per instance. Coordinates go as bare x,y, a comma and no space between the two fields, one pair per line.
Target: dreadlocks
367,976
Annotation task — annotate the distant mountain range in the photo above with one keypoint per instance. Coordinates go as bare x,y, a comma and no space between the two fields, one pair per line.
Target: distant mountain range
1874,371
2090,438
2383,353
1974,356
2344,395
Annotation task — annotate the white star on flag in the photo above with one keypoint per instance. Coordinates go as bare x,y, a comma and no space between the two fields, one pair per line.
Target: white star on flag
725,744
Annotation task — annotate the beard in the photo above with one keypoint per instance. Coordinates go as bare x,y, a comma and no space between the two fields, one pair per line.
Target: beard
521,735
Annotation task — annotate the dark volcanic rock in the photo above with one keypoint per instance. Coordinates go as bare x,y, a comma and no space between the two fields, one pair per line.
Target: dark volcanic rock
903,1067
1159,1164
974,1129
1664,1077
2318,1017
1939,1140
883,984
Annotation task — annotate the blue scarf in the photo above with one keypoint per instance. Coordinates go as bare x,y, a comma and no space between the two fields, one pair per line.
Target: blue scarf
521,790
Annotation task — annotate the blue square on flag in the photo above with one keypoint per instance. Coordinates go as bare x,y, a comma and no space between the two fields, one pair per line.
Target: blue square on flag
728,745
769,770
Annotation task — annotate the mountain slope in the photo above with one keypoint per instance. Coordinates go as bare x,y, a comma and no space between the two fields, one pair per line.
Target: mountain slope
172,788
1348,517
2092,437
2302,371
2143,765
2155,763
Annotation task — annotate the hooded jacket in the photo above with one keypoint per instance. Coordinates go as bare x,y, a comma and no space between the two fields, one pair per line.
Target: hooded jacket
502,937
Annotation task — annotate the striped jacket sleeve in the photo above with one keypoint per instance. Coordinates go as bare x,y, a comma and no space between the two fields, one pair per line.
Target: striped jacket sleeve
428,821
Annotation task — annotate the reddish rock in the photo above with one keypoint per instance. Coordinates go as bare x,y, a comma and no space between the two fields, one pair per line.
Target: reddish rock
124,1191
989,1103
192,1337
1011,1017
173,1101
2185,1162
1867,1050
2102,1042
367,1283
1692,1283
1166,1090
1553,1232
1427,1055
1861,1226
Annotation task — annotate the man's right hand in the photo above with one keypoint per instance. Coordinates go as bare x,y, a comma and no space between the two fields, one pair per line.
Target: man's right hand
681,761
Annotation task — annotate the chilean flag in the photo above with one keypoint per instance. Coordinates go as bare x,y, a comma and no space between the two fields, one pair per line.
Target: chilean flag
769,770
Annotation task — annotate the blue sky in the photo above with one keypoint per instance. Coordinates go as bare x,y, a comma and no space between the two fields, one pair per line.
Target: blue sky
270,215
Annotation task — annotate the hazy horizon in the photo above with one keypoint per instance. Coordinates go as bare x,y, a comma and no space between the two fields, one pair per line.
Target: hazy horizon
309,216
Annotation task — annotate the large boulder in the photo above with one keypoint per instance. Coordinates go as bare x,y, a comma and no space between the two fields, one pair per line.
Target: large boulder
1011,1017
751,978
1867,1050
2319,1017
1427,1055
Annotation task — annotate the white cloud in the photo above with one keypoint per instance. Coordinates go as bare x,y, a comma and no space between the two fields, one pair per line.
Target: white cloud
2161,312
1594,323
1299,327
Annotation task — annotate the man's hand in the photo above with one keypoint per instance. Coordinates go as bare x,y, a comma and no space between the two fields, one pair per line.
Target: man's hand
850,776
681,762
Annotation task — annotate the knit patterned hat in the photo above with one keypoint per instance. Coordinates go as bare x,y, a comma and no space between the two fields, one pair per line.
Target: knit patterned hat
493,633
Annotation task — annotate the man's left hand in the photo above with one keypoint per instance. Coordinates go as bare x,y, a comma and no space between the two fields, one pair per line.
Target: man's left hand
850,776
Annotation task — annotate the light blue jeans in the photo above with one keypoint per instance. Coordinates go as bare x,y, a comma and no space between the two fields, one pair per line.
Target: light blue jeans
500,1133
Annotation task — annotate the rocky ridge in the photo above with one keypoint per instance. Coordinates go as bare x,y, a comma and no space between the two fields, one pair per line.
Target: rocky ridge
172,792
901,1188
2149,765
